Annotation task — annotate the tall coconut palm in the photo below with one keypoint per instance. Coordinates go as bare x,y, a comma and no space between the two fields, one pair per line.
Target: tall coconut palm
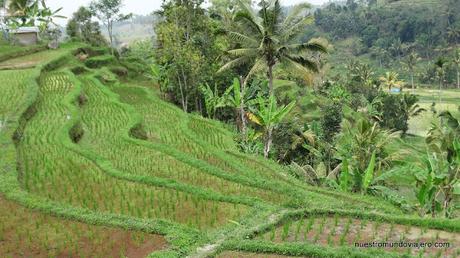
268,38
440,66
391,80
456,62
410,62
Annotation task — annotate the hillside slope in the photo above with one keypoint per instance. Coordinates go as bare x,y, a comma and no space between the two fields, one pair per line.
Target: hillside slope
96,152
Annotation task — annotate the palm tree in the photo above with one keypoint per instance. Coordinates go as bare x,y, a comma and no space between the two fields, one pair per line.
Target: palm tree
268,40
456,62
440,66
269,115
391,80
397,48
410,63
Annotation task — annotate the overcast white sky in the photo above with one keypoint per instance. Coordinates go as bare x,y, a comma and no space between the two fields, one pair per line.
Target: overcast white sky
138,6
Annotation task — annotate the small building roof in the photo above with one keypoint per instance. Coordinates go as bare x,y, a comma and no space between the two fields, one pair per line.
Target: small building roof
22,30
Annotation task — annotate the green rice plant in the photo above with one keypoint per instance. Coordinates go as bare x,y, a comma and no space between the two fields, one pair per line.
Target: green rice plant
285,232
299,227
272,233
321,225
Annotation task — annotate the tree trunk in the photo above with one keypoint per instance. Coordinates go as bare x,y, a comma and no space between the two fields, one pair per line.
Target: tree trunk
110,29
181,90
412,82
446,204
185,93
270,80
268,142
458,78
242,112
440,88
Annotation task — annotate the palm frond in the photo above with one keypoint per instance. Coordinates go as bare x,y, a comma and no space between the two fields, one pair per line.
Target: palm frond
251,20
241,38
313,46
301,64
234,63
292,30
243,52
294,14
258,66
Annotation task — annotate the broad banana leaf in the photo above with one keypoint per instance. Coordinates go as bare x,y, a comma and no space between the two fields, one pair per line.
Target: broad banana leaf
369,173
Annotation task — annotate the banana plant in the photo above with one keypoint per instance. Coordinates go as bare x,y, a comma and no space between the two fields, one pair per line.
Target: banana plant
238,97
268,116
47,16
444,149
212,99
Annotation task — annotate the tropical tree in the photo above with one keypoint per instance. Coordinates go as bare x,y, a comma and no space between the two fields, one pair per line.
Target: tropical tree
82,26
268,40
395,110
440,66
364,146
443,166
410,62
396,48
108,11
456,62
391,80
186,48
268,115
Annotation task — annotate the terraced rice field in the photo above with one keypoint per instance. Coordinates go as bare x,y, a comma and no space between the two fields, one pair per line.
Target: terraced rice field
343,231
53,171
166,124
111,170
109,141
31,234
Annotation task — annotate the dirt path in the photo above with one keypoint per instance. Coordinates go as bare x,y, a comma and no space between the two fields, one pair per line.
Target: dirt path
211,248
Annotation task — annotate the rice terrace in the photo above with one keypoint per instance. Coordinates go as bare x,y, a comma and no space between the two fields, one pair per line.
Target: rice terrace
231,128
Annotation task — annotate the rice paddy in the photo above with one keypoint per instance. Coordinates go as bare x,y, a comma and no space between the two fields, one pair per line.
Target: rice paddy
94,169
31,234
348,231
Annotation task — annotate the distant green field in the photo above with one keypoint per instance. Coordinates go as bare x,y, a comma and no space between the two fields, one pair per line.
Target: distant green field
446,100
